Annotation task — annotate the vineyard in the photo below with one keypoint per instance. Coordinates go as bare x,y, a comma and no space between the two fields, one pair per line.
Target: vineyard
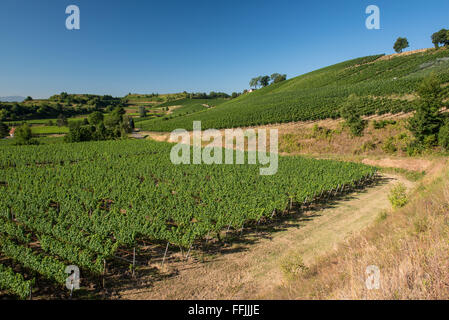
85,204
318,95
189,106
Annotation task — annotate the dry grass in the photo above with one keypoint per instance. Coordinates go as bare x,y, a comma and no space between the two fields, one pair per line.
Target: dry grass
410,246
335,139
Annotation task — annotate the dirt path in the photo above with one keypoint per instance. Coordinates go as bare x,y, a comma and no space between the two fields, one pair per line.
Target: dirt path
251,269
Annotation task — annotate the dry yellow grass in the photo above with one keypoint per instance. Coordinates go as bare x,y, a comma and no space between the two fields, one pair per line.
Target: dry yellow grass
410,246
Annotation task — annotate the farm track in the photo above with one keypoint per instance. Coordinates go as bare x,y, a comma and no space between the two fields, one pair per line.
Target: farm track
251,268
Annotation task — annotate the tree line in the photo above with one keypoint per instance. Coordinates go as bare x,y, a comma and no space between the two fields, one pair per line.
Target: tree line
66,104
97,127
263,81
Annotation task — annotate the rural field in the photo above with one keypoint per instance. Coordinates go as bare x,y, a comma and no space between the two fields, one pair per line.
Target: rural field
328,185
140,227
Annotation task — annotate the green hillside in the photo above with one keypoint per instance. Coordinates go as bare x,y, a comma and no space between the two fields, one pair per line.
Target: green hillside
189,106
318,95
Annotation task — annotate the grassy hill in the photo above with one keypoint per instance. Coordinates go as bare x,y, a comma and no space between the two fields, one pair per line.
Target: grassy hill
188,106
150,99
385,85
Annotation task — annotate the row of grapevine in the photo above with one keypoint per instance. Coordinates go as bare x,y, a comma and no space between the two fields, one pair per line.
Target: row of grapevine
320,94
14,282
79,207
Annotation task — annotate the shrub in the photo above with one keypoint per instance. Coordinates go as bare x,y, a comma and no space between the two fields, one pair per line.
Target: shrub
430,141
4,130
293,265
383,215
95,118
142,112
398,196
289,143
389,146
426,122
62,121
368,146
382,123
79,133
443,136
23,136
350,113
414,149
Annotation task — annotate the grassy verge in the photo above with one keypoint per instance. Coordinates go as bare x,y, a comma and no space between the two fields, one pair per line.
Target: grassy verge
408,174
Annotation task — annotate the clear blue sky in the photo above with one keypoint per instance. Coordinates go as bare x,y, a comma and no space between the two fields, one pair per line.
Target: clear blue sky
170,46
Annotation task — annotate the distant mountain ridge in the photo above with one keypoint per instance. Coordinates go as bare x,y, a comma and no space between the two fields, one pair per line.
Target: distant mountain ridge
12,99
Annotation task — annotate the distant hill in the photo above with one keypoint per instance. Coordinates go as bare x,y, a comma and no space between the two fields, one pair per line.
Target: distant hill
12,99
385,84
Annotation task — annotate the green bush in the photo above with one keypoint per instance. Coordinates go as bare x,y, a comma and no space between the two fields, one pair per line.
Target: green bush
414,149
368,146
389,146
426,122
398,196
443,136
23,136
350,113
293,265
382,123
4,130
95,118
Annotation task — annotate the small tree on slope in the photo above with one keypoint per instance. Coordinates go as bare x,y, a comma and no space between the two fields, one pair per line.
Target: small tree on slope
425,124
350,113
401,44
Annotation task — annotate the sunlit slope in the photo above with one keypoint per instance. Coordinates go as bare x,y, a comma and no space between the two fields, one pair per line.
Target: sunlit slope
380,82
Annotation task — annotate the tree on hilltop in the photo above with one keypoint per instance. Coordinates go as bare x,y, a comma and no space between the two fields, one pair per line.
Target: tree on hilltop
276,77
264,81
255,82
401,44
440,38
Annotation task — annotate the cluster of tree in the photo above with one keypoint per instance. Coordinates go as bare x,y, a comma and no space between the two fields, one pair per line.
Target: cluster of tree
211,95
96,101
441,38
428,125
144,95
263,81
4,130
236,95
98,128
401,44
22,134
43,110
67,104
